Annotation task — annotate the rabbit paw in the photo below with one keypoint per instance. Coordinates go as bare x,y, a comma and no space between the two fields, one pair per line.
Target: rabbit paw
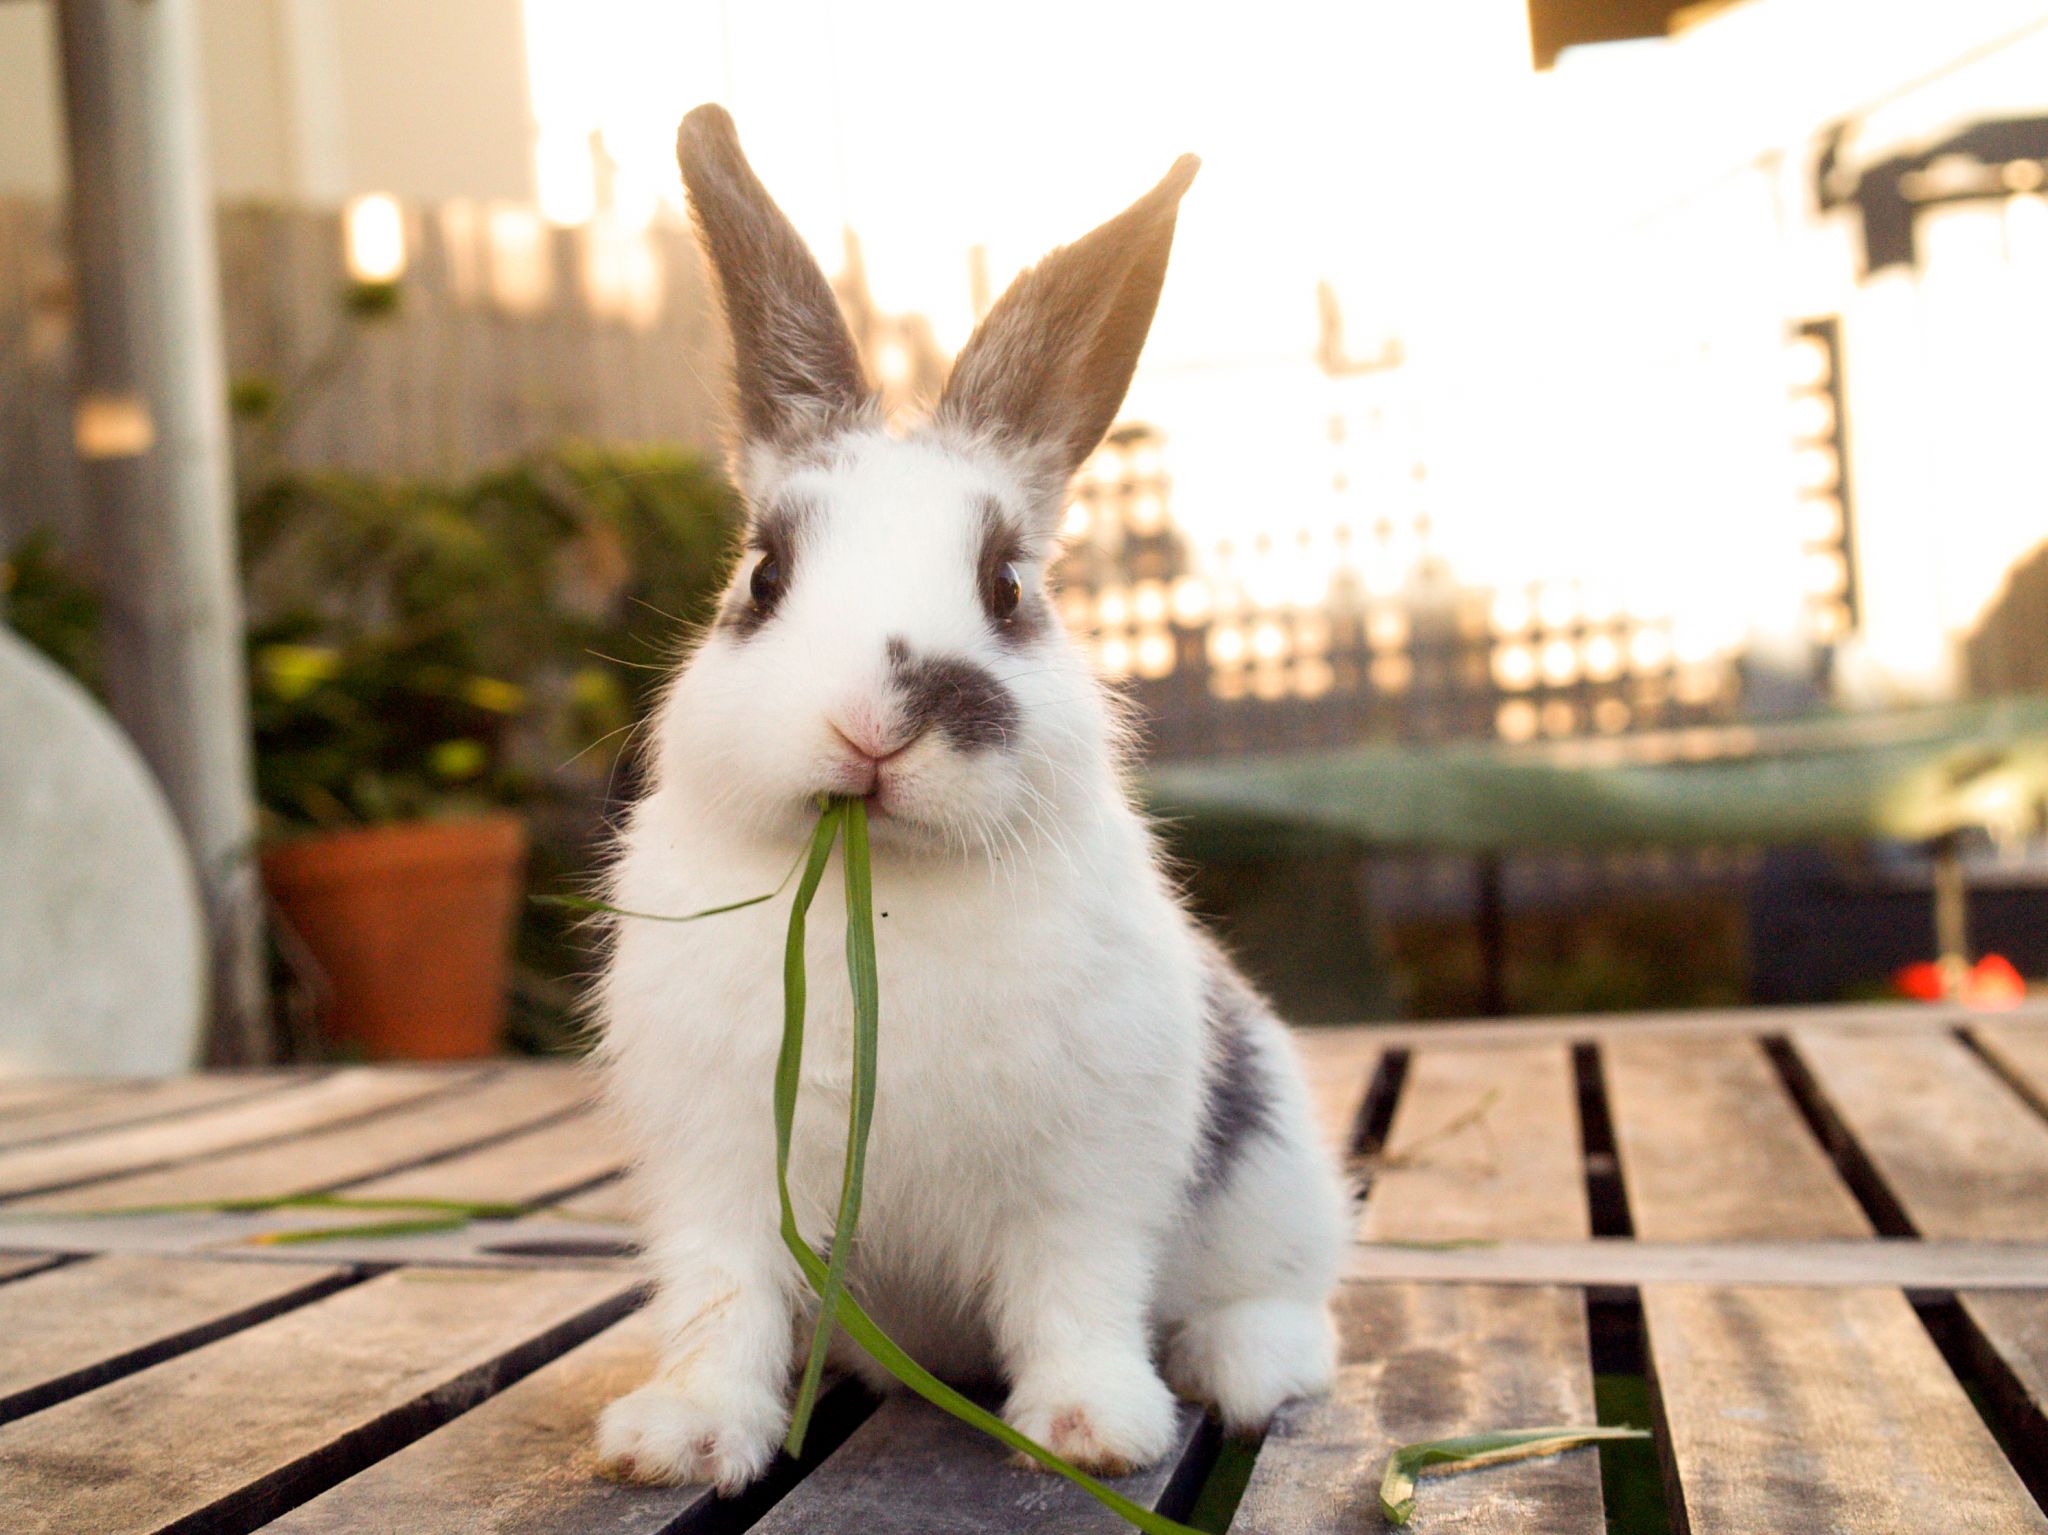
1107,1424
663,1435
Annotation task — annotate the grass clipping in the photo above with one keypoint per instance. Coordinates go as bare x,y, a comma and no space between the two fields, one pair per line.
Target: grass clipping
1471,1451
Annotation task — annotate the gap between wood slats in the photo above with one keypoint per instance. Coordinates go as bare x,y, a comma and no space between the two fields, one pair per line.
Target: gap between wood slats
1606,1198
2019,1056
1997,1344
94,1285
136,1104
1885,1213
201,1412
38,1171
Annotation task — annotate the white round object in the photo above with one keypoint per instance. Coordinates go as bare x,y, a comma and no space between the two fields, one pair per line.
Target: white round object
102,938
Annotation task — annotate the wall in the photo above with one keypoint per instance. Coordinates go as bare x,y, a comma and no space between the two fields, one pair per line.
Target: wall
315,100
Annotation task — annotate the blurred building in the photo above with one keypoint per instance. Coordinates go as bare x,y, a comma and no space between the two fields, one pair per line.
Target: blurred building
315,101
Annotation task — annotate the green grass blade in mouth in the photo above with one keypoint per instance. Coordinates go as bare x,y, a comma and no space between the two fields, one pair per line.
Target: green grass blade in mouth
789,1062
860,971
1471,1451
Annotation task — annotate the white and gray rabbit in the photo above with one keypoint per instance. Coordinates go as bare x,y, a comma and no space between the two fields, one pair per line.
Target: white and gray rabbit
1093,1168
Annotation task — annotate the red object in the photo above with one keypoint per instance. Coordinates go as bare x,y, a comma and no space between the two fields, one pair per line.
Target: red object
1920,982
1995,983
1992,982
411,928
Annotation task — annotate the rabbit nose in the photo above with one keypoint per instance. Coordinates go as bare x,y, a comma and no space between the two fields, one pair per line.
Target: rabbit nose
872,745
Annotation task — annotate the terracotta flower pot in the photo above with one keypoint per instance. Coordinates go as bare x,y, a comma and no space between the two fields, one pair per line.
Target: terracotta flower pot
411,926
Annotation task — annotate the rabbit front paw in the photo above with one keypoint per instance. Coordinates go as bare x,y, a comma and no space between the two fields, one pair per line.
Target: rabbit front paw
1107,1422
664,1435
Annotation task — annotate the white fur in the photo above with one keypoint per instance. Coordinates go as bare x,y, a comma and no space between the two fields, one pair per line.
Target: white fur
1029,1207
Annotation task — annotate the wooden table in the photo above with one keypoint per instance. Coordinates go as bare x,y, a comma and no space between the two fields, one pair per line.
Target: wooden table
1823,1236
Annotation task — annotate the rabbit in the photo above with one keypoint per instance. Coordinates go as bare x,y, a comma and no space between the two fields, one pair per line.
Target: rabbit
1093,1168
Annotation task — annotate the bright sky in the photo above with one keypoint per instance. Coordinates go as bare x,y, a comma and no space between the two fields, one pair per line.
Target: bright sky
1590,270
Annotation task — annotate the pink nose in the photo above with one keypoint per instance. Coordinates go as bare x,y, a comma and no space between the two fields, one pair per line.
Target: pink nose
864,752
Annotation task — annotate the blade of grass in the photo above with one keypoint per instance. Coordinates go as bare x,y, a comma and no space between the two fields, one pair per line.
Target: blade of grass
1471,1451
861,976
789,1065
365,1230
586,903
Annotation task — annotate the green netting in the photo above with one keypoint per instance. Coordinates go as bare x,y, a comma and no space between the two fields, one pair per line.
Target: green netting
1908,775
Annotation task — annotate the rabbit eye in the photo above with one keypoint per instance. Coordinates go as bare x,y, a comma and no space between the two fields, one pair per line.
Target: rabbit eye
765,585
1005,591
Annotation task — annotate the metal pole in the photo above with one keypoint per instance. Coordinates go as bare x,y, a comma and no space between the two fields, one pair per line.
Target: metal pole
1951,914
152,434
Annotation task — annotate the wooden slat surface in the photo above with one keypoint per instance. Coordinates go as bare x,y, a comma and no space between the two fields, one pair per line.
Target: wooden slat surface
331,1100
523,1463
1484,1144
31,1095
2014,1327
1425,1362
13,1265
241,1426
327,1159
532,1166
1798,1411
66,1329
133,1102
913,1470
2021,1051
1960,1152
1339,1064
1712,1146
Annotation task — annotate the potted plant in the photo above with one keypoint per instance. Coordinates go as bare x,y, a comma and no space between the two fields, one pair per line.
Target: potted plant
426,662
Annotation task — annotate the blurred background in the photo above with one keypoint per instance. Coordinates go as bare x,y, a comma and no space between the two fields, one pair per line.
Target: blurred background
1577,539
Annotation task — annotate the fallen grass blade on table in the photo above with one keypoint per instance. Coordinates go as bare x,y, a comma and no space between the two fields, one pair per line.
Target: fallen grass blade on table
1469,1452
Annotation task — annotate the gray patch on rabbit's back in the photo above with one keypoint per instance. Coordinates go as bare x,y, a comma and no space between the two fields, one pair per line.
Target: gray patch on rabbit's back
964,702
1236,1098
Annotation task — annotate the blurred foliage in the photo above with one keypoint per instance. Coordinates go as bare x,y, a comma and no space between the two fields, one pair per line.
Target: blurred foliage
428,648
419,648
52,606
1623,952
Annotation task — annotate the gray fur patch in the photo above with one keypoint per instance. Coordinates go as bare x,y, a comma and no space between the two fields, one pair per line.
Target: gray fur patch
960,700
1236,1097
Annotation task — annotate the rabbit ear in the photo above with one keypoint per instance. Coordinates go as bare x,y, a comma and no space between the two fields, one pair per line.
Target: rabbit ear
1047,369
795,368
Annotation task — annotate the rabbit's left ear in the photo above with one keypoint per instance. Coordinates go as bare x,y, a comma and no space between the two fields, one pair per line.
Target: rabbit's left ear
1046,371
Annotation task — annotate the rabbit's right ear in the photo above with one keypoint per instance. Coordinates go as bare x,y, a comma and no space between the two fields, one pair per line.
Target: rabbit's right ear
795,368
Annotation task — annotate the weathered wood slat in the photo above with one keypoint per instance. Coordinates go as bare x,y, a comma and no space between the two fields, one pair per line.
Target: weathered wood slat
1484,1145
344,1096
35,1095
523,1463
73,1327
1910,1265
244,1427
1339,1064
136,1102
15,1265
2021,1052
1425,1362
1807,1410
914,1470
1955,1147
1712,1146
328,1159
532,1166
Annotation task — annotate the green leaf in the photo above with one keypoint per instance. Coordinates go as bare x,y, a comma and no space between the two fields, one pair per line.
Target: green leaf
1397,1486
412,1228
603,908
